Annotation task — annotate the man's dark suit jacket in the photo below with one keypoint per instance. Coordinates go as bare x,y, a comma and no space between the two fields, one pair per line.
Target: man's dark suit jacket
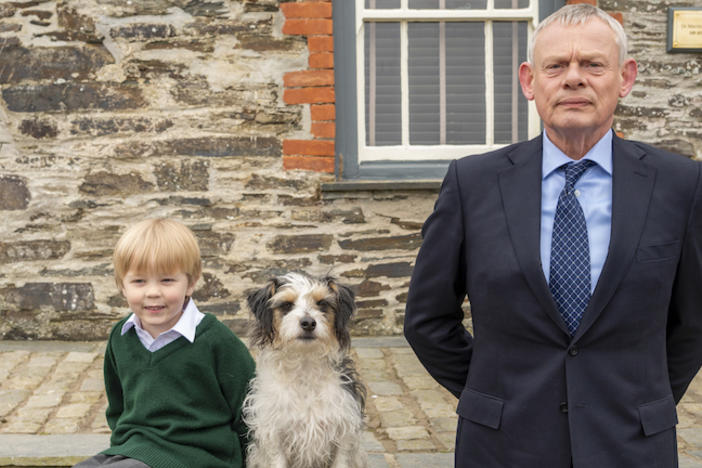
529,395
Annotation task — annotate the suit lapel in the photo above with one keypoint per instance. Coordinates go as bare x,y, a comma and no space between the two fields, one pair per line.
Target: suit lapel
632,186
520,187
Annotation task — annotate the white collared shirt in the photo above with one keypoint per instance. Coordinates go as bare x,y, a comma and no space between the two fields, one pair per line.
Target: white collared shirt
186,325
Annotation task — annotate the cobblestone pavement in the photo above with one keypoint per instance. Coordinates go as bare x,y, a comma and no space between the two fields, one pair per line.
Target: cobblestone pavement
52,406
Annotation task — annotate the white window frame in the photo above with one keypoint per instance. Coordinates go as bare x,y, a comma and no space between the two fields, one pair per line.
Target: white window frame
404,15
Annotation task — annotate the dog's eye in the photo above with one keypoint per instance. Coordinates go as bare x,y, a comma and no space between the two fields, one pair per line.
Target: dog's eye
286,307
323,304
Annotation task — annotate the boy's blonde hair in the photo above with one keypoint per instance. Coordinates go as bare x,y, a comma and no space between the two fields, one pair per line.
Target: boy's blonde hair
157,246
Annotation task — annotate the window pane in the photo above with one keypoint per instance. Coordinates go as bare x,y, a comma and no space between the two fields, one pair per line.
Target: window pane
510,40
511,3
446,83
423,70
382,90
382,4
465,83
449,4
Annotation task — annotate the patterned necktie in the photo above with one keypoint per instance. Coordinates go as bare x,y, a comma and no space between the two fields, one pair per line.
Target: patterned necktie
570,252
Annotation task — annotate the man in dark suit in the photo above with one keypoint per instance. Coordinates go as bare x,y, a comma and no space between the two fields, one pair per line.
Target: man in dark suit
581,255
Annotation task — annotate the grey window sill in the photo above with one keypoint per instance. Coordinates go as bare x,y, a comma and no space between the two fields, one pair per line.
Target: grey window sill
381,186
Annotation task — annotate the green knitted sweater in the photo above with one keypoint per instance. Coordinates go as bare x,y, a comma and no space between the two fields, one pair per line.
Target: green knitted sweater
178,407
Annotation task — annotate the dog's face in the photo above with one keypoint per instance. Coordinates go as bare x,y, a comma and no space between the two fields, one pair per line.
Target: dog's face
298,310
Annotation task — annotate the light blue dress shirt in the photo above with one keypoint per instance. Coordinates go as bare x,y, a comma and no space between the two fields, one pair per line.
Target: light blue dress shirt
594,192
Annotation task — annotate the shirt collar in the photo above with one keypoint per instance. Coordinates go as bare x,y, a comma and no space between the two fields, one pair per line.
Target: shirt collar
186,325
553,157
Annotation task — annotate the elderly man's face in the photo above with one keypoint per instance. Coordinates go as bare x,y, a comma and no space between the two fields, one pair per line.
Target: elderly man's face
576,79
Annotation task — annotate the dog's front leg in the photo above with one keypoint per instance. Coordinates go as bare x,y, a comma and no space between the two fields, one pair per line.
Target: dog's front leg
265,452
350,455
277,454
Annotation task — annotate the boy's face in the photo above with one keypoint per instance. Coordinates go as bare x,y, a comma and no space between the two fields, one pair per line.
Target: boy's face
157,299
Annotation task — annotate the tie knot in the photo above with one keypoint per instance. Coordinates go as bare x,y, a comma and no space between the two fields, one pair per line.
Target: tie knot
573,171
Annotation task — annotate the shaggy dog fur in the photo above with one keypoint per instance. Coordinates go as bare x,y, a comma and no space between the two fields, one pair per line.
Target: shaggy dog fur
305,406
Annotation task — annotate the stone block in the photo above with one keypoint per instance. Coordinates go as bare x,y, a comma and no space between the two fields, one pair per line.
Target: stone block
369,353
425,460
369,304
71,96
11,398
14,194
206,8
57,296
303,243
74,26
397,418
406,242
41,249
407,433
391,270
98,126
259,43
39,128
370,288
7,10
45,400
337,259
350,216
266,271
108,184
384,388
222,308
202,27
210,287
266,182
51,63
214,244
75,410
388,403
142,31
202,146
190,176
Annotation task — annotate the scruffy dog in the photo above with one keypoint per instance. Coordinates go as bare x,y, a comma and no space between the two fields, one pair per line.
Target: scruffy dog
305,405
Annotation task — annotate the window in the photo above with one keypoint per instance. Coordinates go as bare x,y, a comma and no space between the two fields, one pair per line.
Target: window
437,80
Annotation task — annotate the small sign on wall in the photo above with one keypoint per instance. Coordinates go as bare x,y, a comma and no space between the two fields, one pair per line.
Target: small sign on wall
684,29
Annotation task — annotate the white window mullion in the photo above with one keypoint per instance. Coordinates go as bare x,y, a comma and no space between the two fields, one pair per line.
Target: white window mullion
534,119
442,77
404,81
372,95
489,84
360,79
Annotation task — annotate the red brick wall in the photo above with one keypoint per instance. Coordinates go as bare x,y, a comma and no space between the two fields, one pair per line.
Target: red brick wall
313,86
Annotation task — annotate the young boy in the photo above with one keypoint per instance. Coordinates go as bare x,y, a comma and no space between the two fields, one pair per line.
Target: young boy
175,377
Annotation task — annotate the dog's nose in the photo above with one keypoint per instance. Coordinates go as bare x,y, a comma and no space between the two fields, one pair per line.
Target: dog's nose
308,324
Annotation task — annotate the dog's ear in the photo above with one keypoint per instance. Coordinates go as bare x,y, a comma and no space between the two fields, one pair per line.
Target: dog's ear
259,303
345,306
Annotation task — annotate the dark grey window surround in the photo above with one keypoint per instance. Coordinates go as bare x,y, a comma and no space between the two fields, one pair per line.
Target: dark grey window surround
347,166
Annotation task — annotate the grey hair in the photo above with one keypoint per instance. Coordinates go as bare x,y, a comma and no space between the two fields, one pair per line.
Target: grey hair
571,15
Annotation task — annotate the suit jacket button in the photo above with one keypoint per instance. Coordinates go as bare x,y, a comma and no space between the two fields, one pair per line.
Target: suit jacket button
573,351
564,407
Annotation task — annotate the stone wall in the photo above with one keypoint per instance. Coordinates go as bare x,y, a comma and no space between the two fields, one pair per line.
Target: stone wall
665,106
116,110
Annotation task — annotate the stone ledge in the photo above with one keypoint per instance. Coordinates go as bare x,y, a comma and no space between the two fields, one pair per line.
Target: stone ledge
59,451
19,450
